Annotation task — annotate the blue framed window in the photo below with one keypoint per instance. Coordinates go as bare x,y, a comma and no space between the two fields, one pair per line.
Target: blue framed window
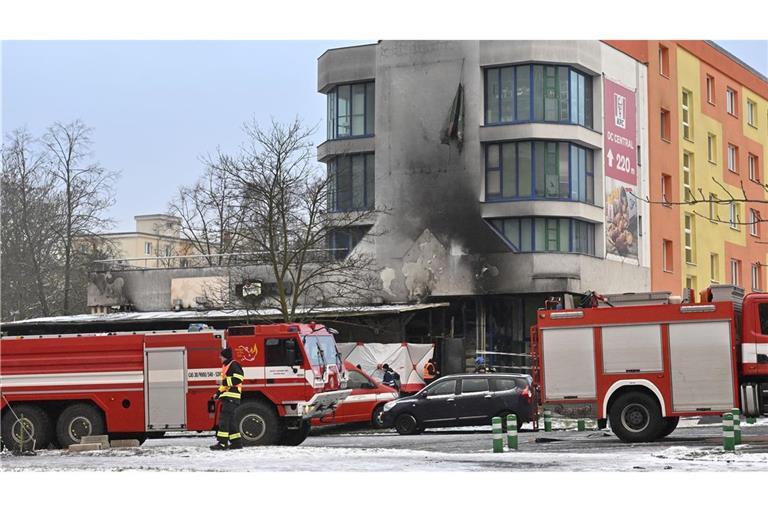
351,110
351,183
538,169
537,93
547,234
342,241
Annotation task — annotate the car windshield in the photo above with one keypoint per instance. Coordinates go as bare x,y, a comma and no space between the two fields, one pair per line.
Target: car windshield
322,350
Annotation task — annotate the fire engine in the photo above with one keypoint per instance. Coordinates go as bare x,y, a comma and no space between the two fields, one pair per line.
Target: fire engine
59,388
641,367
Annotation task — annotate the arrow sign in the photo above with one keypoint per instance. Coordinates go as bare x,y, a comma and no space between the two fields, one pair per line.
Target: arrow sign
610,158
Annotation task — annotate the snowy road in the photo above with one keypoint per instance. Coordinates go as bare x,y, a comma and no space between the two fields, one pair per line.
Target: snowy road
691,447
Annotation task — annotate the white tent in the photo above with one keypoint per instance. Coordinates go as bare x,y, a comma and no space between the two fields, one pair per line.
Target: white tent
407,359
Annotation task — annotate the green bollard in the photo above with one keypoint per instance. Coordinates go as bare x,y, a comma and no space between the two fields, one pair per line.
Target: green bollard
751,420
498,439
547,421
512,431
580,425
728,440
736,426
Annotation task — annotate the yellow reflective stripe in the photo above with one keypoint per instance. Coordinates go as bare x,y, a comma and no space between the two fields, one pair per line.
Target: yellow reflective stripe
229,381
222,434
231,394
238,376
235,436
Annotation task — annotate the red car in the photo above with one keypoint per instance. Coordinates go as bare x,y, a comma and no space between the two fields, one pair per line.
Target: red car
364,404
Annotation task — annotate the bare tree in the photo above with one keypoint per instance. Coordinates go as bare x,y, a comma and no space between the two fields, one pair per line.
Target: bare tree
31,213
287,227
86,189
211,213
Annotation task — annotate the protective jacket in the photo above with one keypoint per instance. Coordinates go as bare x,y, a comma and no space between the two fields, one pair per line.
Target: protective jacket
231,381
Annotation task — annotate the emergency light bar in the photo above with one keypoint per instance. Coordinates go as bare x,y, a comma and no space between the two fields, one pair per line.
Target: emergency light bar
567,314
697,309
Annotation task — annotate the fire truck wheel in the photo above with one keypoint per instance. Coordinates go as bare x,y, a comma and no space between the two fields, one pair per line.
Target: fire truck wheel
32,424
296,437
258,424
376,420
406,425
78,421
636,418
670,424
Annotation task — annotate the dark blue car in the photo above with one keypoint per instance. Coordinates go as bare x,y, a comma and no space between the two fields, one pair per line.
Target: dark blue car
460,400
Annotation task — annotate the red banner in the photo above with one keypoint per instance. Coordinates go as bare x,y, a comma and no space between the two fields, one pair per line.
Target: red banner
620,133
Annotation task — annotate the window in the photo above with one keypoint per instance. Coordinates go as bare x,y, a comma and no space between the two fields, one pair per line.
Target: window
687,176
711,89
690,282
667,256
714,214
733,215
711,148
689,232
342,241
508,384
474,385
281,352
735,272
733,158
147,247
357,380
665,125
666,189
752,113
547,234
168,250
752,166
754,222
539,170
351,183
687,115
714,268
756,278
351,110
664,60
539,93
446,387
730,101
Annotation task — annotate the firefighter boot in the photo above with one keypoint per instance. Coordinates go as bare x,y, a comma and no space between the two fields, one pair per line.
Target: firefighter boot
218,446
235,444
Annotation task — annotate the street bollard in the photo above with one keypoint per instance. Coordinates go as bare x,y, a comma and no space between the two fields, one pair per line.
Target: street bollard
498,439
512,431
547,421
736,426
580,425
728,441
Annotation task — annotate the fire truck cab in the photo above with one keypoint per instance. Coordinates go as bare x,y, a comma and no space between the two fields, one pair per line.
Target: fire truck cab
642,367
59,388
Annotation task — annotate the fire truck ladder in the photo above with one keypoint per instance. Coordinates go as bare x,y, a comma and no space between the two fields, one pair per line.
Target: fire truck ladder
536,374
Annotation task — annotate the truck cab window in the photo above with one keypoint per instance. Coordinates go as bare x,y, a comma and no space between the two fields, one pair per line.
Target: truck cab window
763,312
281,352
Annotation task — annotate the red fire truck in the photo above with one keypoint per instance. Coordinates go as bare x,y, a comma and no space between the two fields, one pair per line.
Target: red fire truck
57,389
642,367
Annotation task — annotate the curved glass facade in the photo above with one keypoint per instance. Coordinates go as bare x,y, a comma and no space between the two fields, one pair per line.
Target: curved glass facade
351,110
537,93
547,234
539,169
351,183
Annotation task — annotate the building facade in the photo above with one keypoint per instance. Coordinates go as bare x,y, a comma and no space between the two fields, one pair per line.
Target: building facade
537,192
708,134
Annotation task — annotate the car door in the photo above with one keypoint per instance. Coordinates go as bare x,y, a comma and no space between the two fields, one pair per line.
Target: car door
436,405
475,404
356,407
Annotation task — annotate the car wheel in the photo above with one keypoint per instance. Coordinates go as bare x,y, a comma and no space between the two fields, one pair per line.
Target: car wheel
376,419
406,425
29,428
670,424
78,421
636,418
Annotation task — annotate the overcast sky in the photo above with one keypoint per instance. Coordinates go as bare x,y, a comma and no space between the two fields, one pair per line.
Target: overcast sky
157,106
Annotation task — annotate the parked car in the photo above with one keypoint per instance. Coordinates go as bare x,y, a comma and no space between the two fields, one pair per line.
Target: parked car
364,404
459,400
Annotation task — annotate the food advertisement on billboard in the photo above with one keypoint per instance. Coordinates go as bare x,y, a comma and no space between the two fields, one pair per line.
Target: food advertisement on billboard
620,164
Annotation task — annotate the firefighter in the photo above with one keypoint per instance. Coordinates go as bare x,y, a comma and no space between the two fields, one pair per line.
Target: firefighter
227,434
391,377
430,371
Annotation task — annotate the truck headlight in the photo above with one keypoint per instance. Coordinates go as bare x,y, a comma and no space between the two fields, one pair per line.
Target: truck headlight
388,405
